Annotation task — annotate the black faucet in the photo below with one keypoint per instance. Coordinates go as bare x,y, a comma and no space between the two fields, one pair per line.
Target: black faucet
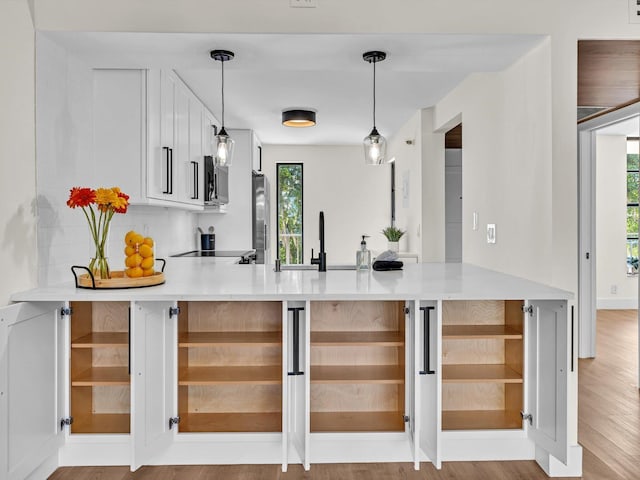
321,260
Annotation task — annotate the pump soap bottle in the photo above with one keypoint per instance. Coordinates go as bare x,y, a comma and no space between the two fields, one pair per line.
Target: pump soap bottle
363,256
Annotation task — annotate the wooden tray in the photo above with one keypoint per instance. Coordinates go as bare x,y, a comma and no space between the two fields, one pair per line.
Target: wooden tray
118,279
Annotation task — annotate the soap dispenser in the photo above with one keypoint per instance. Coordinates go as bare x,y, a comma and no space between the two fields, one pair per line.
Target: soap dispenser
363,256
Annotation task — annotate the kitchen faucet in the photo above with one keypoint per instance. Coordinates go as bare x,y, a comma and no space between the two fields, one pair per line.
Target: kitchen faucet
321,260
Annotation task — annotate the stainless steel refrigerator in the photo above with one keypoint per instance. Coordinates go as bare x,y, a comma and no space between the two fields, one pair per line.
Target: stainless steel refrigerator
260,213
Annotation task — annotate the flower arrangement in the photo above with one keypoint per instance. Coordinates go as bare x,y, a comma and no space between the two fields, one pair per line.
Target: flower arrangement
393,234
107,202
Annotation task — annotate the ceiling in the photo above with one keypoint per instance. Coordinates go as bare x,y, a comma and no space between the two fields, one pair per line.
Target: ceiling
324,72
628,128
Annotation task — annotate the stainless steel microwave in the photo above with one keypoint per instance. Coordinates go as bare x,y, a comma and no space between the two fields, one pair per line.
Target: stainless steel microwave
216,182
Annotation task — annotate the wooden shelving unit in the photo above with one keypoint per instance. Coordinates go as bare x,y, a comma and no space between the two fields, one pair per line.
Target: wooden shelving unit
100,381
230,367
482,371
357,366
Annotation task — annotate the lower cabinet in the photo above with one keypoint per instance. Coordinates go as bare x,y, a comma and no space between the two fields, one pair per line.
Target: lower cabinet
230,367
214,382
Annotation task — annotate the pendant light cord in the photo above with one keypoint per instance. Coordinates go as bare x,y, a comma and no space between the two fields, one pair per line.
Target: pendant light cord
222,93
374,94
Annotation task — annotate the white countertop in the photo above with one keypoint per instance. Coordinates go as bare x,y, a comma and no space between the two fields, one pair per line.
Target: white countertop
200,279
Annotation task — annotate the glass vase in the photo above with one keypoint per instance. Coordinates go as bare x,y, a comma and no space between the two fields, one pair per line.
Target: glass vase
99,265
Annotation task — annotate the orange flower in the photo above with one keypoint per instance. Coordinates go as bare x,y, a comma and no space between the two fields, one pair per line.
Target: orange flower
81,197
105,198
121,204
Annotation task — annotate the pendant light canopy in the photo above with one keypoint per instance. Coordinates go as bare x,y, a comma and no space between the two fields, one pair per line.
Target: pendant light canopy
375,145
224,143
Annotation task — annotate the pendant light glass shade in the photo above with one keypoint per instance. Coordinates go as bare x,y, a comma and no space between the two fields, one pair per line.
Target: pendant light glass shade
375,145
224,148
224,143
375,148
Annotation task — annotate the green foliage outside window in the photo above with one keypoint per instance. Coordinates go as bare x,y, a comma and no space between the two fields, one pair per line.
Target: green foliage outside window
290,212
633,210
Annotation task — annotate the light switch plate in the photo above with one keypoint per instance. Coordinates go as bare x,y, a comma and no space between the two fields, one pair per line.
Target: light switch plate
475,220
634,11
491,233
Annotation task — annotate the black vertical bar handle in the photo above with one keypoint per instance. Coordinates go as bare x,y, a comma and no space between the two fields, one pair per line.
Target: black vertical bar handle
166,151
427,343
296,340
572,327
171,171
195,180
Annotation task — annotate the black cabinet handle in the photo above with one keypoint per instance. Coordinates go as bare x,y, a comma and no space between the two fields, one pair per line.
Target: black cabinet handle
296,340
166,150
427,343
572,326
171,171
195,180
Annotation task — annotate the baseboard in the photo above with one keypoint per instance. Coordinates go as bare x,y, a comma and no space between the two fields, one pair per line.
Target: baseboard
617,303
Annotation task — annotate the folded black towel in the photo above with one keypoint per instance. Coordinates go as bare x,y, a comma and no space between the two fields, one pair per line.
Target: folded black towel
384,265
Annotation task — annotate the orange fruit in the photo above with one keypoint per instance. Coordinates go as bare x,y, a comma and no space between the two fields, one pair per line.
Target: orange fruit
145,250
133,260
138,239
135,272
129,250
148,241
147,263
128,237
148,272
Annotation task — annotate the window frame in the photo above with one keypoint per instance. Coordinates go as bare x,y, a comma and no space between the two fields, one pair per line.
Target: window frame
636,236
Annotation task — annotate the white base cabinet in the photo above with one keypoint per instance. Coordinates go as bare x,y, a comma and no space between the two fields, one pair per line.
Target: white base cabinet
282,382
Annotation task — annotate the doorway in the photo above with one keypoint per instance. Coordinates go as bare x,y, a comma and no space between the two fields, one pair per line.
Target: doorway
602,282
453,194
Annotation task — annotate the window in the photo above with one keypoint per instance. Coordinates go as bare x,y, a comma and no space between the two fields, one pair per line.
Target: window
289,191
633,208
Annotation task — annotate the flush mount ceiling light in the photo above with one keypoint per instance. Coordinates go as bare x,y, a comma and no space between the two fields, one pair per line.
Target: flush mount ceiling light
224,143
375,145
298,118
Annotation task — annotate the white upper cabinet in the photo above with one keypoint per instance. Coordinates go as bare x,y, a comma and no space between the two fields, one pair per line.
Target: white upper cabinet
150,136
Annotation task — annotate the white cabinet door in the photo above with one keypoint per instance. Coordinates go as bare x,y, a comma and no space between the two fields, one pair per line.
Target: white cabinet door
427,375
209,127
256,153
191,164
153,380
29,387
162,135
119,146
297,428
548,363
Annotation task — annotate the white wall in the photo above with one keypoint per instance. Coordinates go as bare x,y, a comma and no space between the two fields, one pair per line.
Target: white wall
408,182
507,165
64,133
18,252
355,198
611,221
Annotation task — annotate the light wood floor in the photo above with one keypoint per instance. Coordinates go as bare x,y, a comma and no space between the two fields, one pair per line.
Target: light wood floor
608,429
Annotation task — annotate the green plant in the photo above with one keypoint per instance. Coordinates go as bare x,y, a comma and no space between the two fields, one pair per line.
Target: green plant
393,234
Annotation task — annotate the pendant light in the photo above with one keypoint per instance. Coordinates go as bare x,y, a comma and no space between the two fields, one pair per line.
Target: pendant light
224,143
375,145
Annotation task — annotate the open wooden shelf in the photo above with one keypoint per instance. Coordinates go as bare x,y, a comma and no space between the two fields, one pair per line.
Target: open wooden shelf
255,375
102,340
481,419
231,422
101,422
357,421
389,374
101,376
345,339
475,332
211,339
480,373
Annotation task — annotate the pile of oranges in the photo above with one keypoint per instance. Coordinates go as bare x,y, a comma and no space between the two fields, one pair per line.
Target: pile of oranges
139,255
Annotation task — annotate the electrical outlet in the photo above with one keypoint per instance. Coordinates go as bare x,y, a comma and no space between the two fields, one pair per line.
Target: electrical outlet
303,3
614,289
491,233
634,11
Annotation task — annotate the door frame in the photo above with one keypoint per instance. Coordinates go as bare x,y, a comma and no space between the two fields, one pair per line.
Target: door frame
587,253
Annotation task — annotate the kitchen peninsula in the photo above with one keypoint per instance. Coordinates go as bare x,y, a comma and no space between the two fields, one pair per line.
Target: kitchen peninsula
242,364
